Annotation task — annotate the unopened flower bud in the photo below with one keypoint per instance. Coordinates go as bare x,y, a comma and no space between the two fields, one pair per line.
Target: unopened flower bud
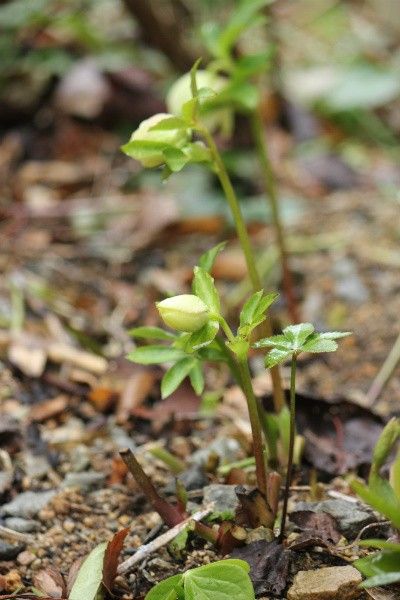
184,313
181,92
385,443
173,137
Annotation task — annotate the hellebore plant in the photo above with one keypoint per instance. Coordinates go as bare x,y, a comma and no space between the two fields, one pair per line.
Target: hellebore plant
294,340
202,326
166,139
383,567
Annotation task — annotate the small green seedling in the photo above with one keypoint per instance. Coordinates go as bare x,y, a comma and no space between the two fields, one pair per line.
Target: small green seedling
383,567
293,341
217,581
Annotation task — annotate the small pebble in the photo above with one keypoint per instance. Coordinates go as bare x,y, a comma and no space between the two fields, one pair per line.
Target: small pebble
69,526
124,520
25,558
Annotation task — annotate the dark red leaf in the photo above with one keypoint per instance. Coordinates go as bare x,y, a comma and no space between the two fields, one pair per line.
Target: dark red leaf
111,557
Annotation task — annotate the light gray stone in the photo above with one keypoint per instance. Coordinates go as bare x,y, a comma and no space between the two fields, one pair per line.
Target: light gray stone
224,499
351,517
22,525
88,480
227,450
328,583
27,504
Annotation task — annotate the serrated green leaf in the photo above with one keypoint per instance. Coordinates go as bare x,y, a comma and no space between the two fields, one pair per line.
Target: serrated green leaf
197,378
298,334
249,308
253,312
203,337
218,581
90,575
212,353
175,159
197,152
166,589
142,149
316,344
334,335
175,375
204,288
206,260
276,356
153,355
170,123
151,333
274,341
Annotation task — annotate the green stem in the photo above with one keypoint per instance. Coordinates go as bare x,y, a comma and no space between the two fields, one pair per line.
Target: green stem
270,188
265,328
385,373
235,210
247,387
291,444
230,361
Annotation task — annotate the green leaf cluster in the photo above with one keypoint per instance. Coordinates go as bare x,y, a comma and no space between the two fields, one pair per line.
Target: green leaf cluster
383,567
296,339
220,580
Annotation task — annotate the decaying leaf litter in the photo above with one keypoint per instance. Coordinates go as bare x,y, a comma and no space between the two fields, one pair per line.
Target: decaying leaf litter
81,268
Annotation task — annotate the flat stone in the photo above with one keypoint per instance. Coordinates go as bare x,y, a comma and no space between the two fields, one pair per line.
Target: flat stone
22,525
328,583
193,478
227,449
351,517
27,504
224,499
9,551
88,480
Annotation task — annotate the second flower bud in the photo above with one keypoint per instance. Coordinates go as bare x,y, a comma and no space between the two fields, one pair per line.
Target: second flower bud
186,312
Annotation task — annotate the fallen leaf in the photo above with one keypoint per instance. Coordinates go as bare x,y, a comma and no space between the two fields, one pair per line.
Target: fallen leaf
111,557
50,582
269,566
90,575
48,408
321,525
103,398
135,392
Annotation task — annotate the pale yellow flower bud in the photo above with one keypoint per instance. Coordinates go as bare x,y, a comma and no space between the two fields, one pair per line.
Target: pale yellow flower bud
174,137
184,313
180,93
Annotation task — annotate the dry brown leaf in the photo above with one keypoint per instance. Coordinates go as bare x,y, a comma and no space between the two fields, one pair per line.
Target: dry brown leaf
48,408
51,582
